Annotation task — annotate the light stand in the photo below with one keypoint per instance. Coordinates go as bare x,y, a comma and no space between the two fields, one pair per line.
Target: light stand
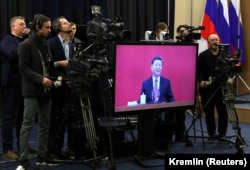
195,117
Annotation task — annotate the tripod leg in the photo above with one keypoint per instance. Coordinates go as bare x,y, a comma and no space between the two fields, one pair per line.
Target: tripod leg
89,123
244,82
233,118
237,77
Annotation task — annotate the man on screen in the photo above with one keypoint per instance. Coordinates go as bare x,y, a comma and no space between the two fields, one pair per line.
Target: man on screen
157,88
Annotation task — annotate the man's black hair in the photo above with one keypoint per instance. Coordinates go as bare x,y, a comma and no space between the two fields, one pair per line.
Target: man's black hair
156,58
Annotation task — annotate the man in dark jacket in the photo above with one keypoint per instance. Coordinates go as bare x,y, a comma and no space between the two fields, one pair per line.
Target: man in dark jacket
11,86
62,51
36,66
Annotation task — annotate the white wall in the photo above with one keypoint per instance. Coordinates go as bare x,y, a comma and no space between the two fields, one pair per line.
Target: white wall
188,12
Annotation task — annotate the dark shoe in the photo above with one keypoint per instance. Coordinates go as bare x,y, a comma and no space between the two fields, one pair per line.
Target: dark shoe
51,162
169,141
222,138
11,155
180,139
63,155
211,139
40,161
71,155
53,156
44,161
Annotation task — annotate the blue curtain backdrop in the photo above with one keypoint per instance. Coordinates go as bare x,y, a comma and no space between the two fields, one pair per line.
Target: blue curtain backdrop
138,15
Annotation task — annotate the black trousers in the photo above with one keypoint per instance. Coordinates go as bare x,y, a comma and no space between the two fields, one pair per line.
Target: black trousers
12,116
210,102
179,124
59,119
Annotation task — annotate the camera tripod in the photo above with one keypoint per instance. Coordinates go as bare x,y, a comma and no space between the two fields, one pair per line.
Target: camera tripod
80,102
237,77
228,98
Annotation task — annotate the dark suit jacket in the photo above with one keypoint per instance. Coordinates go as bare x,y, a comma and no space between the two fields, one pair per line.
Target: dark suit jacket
165,91
58,54
9,61
57,51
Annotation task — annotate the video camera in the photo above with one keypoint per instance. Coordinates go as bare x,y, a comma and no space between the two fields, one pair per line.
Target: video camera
92,58
103,29
189,34
225,63
87,65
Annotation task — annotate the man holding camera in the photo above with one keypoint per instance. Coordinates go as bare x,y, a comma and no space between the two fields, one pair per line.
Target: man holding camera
211,91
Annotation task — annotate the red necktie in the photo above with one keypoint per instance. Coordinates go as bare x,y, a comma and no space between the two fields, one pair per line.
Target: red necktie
156,91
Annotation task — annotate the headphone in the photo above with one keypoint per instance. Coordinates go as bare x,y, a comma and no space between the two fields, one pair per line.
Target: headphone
37,21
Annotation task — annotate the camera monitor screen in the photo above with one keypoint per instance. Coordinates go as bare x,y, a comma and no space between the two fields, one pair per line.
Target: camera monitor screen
133,82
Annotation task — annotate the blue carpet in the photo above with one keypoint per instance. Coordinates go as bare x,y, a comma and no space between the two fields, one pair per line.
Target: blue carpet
124,154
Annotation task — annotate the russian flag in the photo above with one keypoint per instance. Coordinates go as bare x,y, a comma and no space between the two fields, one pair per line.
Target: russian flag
223,17
236,31
216,21
222,26
209,20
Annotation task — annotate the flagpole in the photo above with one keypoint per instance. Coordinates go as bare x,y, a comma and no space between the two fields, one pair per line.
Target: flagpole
238,36
238,46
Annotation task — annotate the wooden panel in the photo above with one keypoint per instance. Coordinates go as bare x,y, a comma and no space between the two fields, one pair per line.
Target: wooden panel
245,13
243,115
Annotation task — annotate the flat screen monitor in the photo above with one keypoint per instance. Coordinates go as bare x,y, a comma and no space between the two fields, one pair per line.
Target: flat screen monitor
133,67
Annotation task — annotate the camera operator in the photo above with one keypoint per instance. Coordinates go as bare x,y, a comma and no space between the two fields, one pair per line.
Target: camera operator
211,90
62,50
188,34
181,33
